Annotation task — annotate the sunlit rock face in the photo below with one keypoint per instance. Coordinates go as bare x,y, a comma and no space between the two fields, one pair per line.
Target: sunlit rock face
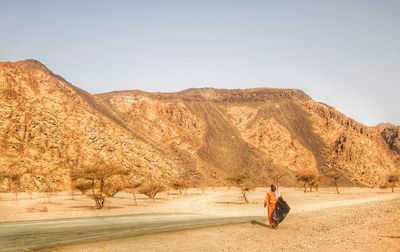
48,124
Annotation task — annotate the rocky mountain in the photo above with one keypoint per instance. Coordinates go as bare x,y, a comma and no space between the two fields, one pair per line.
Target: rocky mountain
199,134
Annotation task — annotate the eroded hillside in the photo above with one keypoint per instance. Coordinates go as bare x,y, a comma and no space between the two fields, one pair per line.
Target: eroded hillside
198,134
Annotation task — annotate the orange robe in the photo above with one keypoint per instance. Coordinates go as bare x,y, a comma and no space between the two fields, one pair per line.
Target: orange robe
270,199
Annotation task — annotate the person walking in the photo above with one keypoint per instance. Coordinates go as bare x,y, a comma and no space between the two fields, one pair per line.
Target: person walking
271,199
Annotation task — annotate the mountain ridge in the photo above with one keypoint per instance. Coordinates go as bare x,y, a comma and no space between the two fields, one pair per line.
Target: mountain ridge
203,134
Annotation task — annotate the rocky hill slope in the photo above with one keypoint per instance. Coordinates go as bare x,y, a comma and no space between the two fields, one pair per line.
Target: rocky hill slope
198,134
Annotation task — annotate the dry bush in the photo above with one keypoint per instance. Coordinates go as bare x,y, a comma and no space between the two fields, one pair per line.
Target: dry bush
43,209
46,182
97,180
180,185
132,182
13,181
393,179
82,185
190,178
315,182
335,176
309,178
245,181
151,189
39,209
111,188
277,176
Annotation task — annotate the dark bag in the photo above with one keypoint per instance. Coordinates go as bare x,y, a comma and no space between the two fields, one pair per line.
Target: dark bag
281,210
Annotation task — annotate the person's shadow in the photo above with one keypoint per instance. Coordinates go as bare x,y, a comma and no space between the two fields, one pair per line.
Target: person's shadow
254,222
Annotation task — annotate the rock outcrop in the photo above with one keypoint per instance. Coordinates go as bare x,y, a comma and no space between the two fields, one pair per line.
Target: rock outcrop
205,134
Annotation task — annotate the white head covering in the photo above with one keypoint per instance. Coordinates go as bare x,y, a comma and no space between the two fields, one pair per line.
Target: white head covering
277,193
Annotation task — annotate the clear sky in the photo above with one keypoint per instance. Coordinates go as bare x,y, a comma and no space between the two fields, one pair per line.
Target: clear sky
343,53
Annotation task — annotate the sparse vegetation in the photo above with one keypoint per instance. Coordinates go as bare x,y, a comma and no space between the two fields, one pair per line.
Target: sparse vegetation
277,176
151,189
94,180
192,178
245,182
315,182
180,185
13,179
132,182
14,183
309,178
335,176
393,179
48,182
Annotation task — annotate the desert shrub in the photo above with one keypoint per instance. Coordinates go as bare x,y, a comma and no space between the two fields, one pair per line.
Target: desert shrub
180,185
97,180
13,179
151,189
39,209
393,179
46,182
244,181
315,182
309,178
335,176
277,176
132,182
82,185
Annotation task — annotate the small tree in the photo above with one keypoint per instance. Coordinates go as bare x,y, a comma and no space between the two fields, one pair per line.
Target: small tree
393,179
335,176
307,178
94,180
28,185
133,183
15,184
47,182
245,182
151,189
13,181
314,183
180,185
277,176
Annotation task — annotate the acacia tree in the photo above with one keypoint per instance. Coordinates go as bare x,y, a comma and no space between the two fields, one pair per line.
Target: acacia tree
13,181
277,176
335,176
315,182
393,179
245,182
193,178
151,189
180,185
132,182
11,173
308,178
45,181
28,185
95,180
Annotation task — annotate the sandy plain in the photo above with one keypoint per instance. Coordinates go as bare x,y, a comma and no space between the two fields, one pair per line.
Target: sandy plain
357,219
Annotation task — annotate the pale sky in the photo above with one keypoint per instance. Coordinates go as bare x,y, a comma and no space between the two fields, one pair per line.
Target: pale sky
343,53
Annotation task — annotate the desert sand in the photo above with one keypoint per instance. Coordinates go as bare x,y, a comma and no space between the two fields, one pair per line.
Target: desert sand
357,219
369,227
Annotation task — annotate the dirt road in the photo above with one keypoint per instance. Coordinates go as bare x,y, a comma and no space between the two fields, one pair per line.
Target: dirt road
17,236
55,233
370,227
